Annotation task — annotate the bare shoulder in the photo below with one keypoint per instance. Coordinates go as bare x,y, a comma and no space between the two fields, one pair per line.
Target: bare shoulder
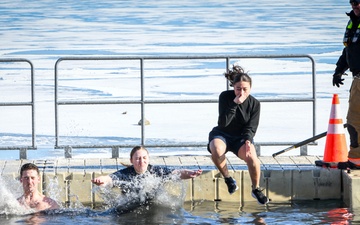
38,203
50,203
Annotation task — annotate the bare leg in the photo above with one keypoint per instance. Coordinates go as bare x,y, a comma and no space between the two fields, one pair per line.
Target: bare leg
218,149
247,153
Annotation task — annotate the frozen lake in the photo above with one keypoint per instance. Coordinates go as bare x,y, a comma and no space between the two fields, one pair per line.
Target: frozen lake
43,31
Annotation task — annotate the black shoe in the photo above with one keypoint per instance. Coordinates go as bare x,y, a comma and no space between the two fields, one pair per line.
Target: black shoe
344,165
259,196
347,165
231,183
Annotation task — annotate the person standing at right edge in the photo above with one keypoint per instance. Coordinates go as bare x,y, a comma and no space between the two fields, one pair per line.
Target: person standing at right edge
350,59
239,115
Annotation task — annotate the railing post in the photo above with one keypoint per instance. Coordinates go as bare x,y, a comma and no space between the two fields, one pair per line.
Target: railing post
68,152
115,152
303,150
23,153
258,150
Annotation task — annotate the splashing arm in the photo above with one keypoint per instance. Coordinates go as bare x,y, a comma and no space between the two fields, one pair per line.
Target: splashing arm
187,174
103,181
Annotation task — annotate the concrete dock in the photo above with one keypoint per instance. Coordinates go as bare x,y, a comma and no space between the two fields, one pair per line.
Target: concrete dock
284,178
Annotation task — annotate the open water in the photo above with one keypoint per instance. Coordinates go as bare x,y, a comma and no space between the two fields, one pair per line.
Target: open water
309,212
167,207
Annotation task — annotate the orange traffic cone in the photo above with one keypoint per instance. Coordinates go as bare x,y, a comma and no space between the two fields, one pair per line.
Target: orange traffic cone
335,147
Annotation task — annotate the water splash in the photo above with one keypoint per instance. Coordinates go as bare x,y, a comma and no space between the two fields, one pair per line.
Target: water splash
9,191
53,189
145,190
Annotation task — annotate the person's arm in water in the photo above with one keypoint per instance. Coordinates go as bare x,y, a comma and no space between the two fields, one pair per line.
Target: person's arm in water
103,181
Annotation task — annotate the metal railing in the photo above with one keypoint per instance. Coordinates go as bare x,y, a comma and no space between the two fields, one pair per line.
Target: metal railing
31,103
143,101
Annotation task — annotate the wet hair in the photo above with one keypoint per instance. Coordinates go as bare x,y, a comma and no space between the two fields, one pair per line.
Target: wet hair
137,148
29,166
237,74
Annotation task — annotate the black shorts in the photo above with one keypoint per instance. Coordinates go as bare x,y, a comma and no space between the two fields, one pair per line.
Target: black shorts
233,143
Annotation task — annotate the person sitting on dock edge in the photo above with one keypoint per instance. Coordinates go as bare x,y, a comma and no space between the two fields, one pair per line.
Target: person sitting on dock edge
239,115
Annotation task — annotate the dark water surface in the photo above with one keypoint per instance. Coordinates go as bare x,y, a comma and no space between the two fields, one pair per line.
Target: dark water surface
206,212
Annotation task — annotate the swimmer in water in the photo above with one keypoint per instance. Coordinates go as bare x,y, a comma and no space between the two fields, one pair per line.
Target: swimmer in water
32,198
133,178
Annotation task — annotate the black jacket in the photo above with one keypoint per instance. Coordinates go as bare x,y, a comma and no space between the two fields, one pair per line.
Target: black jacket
238,119
350,57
